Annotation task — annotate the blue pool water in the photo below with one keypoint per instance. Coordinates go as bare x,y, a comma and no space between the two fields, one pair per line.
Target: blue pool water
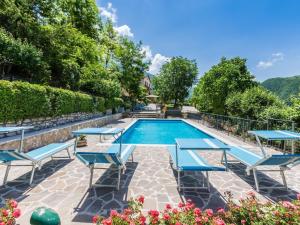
160,132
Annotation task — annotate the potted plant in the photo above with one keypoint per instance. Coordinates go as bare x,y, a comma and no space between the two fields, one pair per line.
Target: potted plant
82,141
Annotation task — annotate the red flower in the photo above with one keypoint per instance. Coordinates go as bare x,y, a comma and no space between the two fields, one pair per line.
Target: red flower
168,206
181,204
154,213
95,219
127,211
13,203
209,212
175,211
4,212
16,213
142,219
166,216
141,199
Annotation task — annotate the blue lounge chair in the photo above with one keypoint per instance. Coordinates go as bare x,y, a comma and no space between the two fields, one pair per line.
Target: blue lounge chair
189,160
252,161
7,157
114,155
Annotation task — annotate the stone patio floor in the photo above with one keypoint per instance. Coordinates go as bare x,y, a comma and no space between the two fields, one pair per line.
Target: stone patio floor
63,184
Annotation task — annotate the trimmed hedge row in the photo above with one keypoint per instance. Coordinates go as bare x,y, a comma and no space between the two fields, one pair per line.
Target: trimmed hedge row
22,100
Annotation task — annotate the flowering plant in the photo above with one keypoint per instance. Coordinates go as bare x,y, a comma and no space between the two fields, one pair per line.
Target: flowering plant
9,213
247,211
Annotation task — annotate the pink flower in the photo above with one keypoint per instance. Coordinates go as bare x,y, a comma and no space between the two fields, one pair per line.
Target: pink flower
177,223
107,222
141,199
197,211
16,213
209,212
13,203
175,211
2,223
220,222
95,219
243,221
221,211
113,213
197,219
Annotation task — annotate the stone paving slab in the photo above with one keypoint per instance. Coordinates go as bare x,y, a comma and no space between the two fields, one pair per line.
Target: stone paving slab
63,184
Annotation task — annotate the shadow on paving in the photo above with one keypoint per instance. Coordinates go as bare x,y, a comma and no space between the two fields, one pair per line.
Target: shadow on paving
100,200
202,198
19,188
264,181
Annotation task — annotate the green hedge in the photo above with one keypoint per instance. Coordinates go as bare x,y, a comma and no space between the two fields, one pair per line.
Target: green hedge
22,100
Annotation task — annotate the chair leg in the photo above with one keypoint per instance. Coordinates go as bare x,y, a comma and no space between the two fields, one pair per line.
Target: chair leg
32,174
256,180
179,184
68,153
131,157
119,179
283,178
6,174
91,176
207,180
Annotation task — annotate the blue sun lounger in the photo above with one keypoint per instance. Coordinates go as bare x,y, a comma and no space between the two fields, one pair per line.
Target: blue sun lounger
115,155
252,161
189,160
36,156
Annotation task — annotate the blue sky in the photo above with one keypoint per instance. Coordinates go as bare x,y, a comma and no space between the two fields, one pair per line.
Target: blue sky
266,32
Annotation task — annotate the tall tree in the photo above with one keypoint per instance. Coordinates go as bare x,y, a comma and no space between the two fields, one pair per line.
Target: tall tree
175,79
230,75
132,66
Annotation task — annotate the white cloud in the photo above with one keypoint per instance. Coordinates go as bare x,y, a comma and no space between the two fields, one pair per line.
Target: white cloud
109,12
278,56
156,63
148,53
124,31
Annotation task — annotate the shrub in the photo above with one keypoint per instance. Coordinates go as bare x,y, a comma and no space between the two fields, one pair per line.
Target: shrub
21,100
249,211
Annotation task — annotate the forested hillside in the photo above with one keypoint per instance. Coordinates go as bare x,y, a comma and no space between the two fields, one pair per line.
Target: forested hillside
284,87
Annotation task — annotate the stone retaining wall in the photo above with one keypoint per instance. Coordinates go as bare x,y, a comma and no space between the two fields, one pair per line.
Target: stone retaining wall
60,134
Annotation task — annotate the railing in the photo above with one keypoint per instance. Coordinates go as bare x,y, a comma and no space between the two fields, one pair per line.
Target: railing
240,126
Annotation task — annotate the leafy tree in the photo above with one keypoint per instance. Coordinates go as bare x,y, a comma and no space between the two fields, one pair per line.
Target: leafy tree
255,103
132,66
230,75
21,60
175,79
67,58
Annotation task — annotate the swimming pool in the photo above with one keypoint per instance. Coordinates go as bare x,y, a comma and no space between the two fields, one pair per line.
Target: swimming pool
163,132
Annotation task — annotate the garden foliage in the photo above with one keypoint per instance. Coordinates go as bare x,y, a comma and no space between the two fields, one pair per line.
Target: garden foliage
21,100
248,211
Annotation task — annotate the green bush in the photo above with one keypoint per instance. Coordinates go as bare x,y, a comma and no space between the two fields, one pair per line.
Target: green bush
22,100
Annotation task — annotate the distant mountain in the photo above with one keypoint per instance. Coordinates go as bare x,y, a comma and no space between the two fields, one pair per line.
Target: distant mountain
284,87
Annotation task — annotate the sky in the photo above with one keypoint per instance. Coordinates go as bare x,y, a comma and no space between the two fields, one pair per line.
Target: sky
265,32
